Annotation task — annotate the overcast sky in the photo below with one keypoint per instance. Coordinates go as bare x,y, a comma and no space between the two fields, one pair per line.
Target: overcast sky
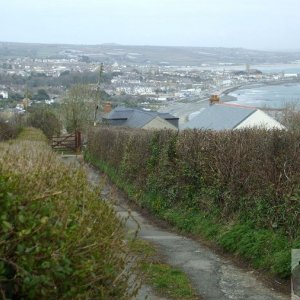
254,24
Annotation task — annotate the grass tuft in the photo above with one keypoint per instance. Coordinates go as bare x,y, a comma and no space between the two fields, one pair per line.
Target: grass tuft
166,280
169,281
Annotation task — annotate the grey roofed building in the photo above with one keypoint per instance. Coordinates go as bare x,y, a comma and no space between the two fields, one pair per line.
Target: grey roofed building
119,113
135,118
138,119
229,117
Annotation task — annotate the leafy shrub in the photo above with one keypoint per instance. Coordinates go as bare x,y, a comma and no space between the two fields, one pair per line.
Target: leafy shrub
46,120
9,129
57,239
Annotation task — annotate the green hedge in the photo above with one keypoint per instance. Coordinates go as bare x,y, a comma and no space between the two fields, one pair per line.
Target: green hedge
57,239
234,178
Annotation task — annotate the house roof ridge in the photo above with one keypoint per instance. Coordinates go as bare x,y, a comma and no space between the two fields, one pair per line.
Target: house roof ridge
236,105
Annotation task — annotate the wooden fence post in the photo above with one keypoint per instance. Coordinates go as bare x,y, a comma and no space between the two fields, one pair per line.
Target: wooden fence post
78,141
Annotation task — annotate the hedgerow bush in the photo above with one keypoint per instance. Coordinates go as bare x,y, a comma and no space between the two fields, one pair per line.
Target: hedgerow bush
46,120
250,177
58,240
9,129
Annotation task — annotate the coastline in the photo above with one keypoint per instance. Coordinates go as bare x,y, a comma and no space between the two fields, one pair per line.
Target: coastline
224,95
184,110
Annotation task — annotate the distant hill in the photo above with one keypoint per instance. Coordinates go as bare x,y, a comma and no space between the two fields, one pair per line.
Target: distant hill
109,53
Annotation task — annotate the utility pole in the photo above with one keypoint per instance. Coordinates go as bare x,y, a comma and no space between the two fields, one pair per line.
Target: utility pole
26,100
98,93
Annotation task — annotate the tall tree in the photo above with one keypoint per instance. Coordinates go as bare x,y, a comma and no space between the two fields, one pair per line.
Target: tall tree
79,107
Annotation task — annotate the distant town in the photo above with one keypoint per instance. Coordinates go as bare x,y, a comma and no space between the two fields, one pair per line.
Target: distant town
155,128
132,76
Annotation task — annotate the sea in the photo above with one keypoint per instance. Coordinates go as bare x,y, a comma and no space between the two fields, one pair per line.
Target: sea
270,96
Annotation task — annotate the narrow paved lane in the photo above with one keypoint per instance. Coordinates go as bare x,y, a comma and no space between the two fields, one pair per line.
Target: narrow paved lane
212,276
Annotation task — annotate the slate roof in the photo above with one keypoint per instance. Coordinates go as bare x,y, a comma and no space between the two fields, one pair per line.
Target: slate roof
119,113
124,113
136,118
167,116
220,117
139,119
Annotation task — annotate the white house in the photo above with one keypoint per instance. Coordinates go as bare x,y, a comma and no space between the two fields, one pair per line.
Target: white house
4,95
224,116
291,75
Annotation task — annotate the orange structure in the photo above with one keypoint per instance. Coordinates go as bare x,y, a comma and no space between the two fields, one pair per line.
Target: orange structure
214,98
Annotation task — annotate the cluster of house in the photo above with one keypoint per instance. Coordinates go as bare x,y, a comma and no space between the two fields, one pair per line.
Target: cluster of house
218,117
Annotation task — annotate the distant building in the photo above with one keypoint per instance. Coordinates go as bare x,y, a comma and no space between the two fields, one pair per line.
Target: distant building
247,68
3,95
227,82
291,75
224,116
135,118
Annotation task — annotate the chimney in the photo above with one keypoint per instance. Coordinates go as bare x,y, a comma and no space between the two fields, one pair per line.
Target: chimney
214,98
107,107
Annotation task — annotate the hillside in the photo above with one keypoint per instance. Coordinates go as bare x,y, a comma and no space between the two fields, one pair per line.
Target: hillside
109,53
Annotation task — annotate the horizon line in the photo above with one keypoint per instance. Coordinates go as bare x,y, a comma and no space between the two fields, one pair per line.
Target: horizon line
148,45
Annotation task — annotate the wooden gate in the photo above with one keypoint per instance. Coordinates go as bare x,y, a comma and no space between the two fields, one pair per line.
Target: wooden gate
67,142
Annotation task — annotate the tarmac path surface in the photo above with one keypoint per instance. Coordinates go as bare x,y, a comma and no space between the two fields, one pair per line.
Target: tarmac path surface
212,276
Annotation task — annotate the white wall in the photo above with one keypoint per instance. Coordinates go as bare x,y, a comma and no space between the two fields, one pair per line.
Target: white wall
261,120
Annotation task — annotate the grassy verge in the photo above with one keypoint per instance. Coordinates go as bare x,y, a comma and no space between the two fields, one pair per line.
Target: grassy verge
57,240
264,249
166,280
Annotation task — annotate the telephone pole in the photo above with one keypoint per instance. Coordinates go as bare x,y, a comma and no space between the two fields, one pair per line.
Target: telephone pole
98,93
